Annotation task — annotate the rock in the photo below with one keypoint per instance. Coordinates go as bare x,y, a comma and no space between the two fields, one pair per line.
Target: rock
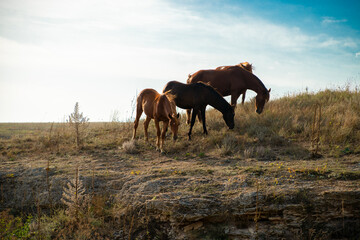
193,226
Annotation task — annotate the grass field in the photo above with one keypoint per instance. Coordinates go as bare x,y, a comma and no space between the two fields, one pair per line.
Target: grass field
293,171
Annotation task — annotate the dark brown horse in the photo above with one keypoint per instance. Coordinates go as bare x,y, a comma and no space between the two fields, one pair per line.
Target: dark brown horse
233,81
197,96
160,107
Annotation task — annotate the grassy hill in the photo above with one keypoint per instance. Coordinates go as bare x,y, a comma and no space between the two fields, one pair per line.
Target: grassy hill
292,171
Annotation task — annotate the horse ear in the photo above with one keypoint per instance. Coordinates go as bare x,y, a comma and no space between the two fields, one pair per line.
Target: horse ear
178,115
269,90
170,117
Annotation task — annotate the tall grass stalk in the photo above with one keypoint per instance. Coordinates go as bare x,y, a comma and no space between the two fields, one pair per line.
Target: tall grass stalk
79,123
257,211
315,140
48,183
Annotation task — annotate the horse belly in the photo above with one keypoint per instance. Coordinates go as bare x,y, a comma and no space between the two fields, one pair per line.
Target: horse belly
184,106
187,100
221,85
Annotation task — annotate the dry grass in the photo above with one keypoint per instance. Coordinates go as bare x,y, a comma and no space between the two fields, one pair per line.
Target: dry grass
286,119
273,147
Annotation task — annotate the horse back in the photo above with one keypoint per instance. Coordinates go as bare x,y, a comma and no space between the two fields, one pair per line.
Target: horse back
218,79
186,96
146,100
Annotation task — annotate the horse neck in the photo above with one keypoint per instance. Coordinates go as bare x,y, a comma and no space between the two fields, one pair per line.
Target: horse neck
217,101
255,84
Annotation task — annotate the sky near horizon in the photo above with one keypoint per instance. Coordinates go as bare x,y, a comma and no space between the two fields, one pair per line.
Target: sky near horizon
102,53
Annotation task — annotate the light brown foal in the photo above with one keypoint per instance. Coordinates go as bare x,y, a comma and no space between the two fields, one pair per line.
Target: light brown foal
161,108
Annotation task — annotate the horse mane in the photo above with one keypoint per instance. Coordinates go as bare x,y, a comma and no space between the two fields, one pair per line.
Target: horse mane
208,86
214,92
170,95
247,66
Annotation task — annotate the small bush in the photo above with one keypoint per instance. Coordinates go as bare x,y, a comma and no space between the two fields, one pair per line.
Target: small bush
229,145
129,147
248,153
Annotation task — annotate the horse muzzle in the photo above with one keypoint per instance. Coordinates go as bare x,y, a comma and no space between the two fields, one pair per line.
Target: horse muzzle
175,137
258,111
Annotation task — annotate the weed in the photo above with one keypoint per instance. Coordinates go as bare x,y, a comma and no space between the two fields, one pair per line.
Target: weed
248,153
74,195
201,155
14,227
79,123
130,147
315,132
229,145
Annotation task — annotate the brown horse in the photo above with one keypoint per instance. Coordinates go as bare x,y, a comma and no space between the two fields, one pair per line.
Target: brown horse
245,65
197,96
160,107
233,81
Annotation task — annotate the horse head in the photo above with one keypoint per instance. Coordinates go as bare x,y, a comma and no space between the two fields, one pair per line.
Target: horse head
261,99
174,124
229,117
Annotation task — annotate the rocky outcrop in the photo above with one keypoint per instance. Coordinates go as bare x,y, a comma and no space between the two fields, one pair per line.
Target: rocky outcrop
173,205
326,215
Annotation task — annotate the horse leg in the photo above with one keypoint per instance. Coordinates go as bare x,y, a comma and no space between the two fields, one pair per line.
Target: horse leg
199,116
146,125
243,97
193,117
234,98
136,122
157,134
202,111
188,115
163,132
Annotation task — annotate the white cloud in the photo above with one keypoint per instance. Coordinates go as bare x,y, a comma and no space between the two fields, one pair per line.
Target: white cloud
357,54
331,20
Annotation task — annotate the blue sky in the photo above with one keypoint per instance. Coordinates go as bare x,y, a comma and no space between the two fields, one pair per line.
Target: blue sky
101,53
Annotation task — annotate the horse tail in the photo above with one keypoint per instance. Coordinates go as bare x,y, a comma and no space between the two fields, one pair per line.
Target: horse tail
139,107
139,111
139,101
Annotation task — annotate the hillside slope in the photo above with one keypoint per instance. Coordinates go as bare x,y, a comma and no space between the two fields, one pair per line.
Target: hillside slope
280,174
